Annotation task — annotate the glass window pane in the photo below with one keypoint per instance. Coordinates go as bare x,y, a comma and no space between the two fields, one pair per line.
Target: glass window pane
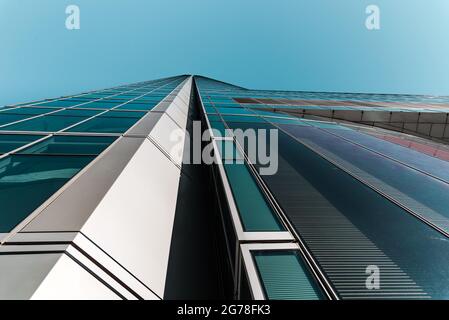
31,110
70,145
108,100
214,117
229,151
78,113
61,103
316,196
412,153
243,119
148,100
220,127
417,191
9,142
255,213
285,276
105,125
286,121
234,111
48,123
123,114
229,105
103,104
137,106
94,96
211,110
6,118
125,97
27,181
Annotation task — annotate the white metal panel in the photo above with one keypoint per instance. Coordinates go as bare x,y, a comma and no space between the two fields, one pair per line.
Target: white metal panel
69,281
69,208
34,248
96,268
134,221
43,237
3,236
21,274
169,136
176,114
112,266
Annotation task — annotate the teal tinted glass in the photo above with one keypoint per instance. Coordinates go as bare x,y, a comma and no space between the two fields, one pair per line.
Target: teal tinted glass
4,108
255,213
125,97
27,181
271,114
70,145
102,104
147,100
92,96
48,123
31,110
228,105
220,127
234,111
78,113
105,125
6,118
420,252
107,100
123,114
242,119
285,121
137,106
285,276
228,151
61,103
219,100
9,142
214,117
211,110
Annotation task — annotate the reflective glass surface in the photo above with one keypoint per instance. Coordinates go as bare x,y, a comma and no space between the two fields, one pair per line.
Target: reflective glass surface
6,118
27,181
9,142
31,110
105,125
137,106
254,211
416,190
49,123
285,276
82,145
77,113
61,103
101,104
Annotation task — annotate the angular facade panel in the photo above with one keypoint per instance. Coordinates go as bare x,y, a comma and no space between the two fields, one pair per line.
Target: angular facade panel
122,193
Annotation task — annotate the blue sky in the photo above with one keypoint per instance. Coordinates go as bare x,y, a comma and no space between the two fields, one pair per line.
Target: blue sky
318,45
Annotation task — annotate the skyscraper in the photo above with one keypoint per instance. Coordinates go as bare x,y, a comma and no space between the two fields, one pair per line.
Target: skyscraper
94,203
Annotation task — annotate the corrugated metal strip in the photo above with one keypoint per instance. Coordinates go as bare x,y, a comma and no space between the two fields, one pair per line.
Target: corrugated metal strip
342,251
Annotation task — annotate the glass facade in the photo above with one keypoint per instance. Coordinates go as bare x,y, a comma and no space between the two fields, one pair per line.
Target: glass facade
10,142
37,158
285,276
357,195
26,181
361,181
